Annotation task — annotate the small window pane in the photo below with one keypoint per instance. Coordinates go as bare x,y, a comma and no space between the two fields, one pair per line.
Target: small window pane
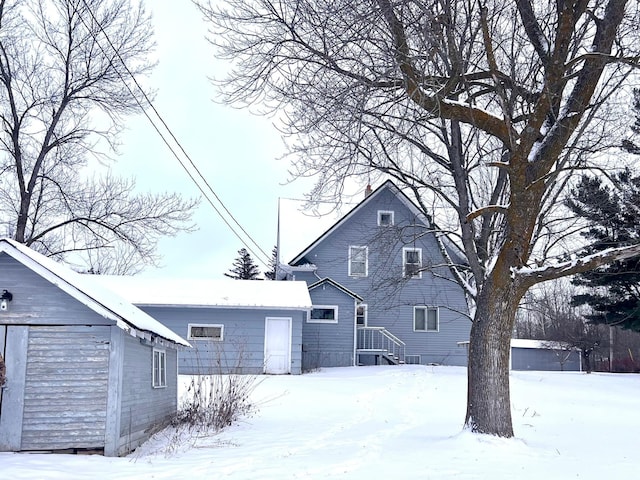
425,319
432,319
159,369
361,315
412,262
323,314
205,332
358,261
420,323
385,218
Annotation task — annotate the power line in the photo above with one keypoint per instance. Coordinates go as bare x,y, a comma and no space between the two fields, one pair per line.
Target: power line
264,260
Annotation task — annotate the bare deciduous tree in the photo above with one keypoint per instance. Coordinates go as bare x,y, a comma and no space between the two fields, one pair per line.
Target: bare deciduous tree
65,66
482,110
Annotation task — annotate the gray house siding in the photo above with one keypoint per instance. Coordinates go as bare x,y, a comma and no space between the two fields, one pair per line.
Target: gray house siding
390,297
544,359
242,349
145,409
329,344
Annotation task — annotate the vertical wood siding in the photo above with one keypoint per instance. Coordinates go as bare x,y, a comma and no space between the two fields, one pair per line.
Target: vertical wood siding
66,387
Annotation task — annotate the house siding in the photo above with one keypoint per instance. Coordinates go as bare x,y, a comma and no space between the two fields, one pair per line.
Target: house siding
242,348
389,296
329,344
145,409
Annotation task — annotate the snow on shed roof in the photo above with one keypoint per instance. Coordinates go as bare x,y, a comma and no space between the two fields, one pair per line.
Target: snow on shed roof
225,293
90,293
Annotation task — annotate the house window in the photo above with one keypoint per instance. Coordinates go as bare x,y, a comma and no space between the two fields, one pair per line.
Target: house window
324,314
358,261
205,331
412,262
361,315
385,218
159,368
426,319
412,359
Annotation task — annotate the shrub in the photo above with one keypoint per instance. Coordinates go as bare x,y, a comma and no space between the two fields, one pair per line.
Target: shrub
216,401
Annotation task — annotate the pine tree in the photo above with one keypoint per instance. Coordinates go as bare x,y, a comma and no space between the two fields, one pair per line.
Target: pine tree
613,290
273,264
244,268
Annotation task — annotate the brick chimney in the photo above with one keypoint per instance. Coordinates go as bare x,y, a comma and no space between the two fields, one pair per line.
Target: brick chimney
367,191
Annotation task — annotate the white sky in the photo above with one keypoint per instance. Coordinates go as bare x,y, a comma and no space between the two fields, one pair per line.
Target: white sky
235,150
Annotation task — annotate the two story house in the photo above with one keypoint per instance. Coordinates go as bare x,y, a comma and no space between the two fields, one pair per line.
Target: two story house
382,288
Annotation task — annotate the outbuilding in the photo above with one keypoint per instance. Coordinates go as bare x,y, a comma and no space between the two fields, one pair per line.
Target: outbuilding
85,369
235,326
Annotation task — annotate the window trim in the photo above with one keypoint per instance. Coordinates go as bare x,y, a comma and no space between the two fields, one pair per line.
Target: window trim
366,314
426,309
207,339
404,262
388,212
160,380
320,320
366,261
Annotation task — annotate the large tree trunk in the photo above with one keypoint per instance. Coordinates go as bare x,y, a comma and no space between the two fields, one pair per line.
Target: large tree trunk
488,400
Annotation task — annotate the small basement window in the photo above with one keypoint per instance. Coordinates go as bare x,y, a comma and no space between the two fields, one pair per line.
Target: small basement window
159,368
385,218
205,331
412,359
426,319
324,314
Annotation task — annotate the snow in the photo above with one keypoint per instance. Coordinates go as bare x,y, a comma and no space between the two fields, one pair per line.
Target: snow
209,292
82,288
389,422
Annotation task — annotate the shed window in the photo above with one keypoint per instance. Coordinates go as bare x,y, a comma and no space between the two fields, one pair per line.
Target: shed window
358,262
426,319
159,368
412,262
205,331
385,218
324,314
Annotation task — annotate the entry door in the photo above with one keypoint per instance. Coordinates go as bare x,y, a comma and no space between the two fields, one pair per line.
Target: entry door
277,345
13,347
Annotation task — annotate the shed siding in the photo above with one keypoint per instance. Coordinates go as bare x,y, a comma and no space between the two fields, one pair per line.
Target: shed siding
544,359
242,348
144,409
66,387
389,296
36,301
329,344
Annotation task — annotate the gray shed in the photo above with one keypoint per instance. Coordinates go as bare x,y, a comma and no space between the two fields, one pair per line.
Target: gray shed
85,369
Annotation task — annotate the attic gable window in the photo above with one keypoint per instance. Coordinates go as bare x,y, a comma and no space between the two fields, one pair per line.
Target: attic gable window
205,331
426,319
412,262
159,368
385,218
358,261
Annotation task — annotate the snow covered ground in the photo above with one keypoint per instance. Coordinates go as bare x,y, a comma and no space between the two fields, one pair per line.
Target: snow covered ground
389,423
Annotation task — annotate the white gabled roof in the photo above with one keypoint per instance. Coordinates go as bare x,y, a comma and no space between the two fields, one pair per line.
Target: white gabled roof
90,293
225,293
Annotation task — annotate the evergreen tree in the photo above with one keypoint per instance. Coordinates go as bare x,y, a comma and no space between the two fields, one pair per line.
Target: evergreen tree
244,268
273,264
614,218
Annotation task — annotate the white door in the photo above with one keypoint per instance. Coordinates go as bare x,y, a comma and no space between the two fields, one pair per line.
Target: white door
277,345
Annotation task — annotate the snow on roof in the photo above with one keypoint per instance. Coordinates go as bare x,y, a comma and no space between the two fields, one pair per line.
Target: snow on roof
543,344
224,293
90,293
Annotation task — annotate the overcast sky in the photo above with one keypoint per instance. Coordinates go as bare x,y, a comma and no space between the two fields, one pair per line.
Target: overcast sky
235,150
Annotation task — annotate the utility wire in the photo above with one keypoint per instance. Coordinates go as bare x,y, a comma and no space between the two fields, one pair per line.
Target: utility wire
177,142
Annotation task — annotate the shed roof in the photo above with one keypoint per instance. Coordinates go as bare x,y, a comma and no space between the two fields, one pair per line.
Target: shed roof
225,293
90,293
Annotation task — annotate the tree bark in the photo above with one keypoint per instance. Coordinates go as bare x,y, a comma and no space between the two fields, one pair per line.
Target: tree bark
488,399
